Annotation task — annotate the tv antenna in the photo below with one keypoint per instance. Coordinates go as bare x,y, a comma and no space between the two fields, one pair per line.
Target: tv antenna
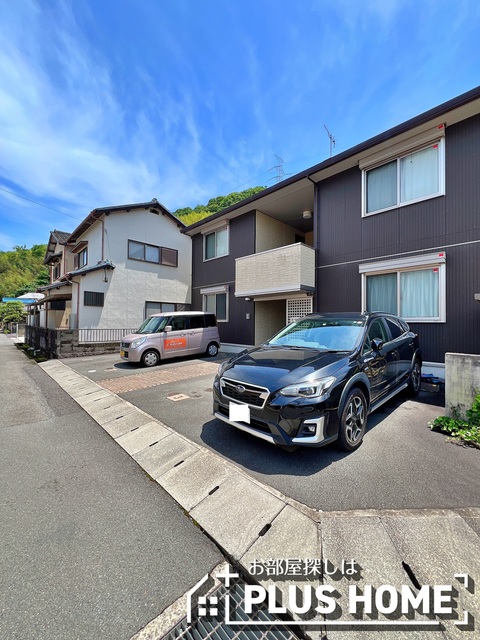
332,140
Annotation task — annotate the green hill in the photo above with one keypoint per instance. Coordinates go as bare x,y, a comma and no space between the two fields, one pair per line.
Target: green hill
188,215
22,270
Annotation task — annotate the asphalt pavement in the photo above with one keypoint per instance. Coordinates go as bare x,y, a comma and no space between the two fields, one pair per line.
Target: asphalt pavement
429,552
421,535
401,464
91,547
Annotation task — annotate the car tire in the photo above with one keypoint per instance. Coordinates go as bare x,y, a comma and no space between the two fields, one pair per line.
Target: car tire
150,358
212,349
353,421
415,379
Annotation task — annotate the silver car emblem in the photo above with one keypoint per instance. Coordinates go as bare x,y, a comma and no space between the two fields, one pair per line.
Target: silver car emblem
240,389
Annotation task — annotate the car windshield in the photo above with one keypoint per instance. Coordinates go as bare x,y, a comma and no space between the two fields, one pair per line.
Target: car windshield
320,333
153,324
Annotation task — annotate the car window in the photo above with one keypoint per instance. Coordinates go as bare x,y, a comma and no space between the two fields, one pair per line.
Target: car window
396,330
179,323
320,333
210,320
153,324
375,331
197,322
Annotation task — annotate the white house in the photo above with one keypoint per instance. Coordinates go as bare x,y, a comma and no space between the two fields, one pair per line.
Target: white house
121,264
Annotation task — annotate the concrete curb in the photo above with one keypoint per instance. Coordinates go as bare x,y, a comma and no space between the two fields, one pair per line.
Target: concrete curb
250,521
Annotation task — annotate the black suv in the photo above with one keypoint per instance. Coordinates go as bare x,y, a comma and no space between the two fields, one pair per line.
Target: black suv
318,379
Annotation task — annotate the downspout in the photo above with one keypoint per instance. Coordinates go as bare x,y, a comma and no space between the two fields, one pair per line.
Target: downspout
103,238
78,304
315,239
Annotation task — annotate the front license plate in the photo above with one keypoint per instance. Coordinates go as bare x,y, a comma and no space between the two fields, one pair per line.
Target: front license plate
122,354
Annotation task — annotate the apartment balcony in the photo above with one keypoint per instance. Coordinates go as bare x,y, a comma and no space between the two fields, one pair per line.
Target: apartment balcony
285,270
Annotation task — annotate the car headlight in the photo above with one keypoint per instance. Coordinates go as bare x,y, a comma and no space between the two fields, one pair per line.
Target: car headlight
137,342
312,389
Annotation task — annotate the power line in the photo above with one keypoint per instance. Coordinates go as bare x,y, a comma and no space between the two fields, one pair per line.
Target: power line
12,193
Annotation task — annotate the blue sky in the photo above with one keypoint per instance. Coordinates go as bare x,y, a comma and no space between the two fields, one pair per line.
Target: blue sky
104,102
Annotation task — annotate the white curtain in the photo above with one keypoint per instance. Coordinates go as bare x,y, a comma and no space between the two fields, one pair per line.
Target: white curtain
419,294
382,187
382,293
419,174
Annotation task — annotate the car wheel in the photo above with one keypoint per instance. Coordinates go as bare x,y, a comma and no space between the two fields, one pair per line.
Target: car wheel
150,358
212,349
353,421
415,379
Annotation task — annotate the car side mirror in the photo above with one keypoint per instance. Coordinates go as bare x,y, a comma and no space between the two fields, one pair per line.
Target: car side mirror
168,328
377,344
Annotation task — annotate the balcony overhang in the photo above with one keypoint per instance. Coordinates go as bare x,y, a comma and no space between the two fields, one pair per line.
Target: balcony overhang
284,271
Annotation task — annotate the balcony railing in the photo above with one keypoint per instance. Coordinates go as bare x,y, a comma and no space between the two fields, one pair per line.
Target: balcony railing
289,269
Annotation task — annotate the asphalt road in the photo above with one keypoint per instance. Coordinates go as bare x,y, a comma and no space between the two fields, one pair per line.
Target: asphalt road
90,546
402,464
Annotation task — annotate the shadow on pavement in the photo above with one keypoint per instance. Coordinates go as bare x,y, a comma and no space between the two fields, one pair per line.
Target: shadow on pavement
260,456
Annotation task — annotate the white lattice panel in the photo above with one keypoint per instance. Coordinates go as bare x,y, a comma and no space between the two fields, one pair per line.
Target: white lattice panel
298,307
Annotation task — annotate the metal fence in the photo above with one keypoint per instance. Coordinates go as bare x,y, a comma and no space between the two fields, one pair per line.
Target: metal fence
102,335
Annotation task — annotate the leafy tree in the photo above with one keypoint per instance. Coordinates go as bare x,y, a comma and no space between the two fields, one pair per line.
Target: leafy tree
22,270
188,215
13,311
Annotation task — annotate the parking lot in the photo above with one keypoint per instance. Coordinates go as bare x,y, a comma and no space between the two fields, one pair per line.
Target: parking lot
402,464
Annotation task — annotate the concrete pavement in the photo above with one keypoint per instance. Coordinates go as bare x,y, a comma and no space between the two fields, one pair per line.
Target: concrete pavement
254,524
90,547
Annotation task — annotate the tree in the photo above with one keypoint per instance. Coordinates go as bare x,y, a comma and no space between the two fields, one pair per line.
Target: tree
22,270
12,311
188,215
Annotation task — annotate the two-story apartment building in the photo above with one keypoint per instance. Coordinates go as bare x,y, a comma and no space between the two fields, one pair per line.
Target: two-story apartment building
121,264
395,227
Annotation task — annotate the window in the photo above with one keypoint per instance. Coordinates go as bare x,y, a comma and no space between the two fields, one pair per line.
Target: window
410,177
56,272
197,322
152,253
93,298
164,307
413,288
179,323
81,259
375,332
215,244
57,305
216,303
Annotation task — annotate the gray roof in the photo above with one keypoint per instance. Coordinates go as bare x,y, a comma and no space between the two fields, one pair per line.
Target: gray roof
60,236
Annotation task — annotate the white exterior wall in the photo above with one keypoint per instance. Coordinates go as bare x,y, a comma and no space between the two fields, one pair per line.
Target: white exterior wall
132,282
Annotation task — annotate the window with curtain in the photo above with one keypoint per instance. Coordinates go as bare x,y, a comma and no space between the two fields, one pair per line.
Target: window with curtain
408,178
411,294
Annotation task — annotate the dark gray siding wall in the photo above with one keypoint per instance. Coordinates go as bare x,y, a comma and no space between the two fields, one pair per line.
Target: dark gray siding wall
238,329
450,223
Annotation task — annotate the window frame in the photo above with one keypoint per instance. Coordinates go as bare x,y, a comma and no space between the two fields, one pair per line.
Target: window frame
406,265
97,298
81,258
216,293
160,254
214,232
439,141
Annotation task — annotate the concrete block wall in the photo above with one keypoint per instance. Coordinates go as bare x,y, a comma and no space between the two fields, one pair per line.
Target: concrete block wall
462,382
